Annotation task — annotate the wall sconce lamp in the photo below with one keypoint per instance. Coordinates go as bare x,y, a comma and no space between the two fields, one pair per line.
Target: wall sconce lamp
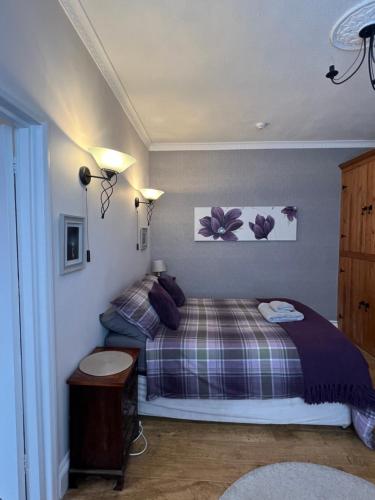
111,163
151,195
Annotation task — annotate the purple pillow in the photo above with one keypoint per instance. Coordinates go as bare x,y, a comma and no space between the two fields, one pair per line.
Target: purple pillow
169,284
163,304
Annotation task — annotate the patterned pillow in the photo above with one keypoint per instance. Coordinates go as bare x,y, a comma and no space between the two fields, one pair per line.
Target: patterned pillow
133,305
150,277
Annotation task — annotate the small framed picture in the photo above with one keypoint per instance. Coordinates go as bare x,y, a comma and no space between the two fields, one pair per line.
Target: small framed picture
72,243
143,238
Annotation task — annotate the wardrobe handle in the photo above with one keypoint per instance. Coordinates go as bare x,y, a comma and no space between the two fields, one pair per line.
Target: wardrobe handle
343,236
343,187
361,304
364,209
367,306
369,209
342,270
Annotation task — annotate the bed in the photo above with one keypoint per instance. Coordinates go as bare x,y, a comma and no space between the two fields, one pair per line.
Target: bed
226,363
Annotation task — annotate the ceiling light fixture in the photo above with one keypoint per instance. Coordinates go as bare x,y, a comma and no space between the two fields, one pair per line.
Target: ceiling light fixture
111,163
151,195
355,30
367,34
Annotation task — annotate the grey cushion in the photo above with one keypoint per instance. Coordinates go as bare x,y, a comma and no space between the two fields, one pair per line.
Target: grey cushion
113,321
117,340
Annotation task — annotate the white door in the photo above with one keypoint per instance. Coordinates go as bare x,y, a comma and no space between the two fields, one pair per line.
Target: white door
12,467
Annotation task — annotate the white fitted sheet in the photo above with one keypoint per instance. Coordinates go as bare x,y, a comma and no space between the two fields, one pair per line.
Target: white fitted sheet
252,411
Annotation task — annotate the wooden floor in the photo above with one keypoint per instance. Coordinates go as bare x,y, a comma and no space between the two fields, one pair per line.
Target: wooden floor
197,460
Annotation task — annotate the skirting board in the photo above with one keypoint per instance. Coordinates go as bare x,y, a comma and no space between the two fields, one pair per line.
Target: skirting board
64,476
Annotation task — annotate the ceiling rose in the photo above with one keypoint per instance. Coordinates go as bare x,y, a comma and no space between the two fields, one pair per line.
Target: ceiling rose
344,34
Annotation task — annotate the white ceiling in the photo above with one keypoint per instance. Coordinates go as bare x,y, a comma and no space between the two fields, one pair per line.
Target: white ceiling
190,71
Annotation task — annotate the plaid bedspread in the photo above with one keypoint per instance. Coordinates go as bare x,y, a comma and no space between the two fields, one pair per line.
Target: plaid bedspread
223,349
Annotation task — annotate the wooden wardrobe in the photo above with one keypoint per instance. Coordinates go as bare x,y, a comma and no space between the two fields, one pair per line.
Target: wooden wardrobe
356,300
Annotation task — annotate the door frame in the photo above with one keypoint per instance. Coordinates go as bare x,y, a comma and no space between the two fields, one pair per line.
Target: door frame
12,475
36,275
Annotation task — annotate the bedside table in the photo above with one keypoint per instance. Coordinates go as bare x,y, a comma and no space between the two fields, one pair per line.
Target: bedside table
103,421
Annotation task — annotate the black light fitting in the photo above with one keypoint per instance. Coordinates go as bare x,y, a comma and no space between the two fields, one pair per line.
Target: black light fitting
149,208
150,195
367,33
108,183
111,162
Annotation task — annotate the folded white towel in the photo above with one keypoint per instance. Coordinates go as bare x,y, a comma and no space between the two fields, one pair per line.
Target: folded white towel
280,306
278,317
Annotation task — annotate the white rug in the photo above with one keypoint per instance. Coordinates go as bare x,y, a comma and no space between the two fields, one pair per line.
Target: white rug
299,481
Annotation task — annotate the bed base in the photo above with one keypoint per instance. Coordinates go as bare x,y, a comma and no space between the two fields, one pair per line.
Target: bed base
270,411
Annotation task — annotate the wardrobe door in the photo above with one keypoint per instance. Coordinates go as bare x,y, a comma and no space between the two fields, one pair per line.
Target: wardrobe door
368,342
353,212
369,242
358,298
343,313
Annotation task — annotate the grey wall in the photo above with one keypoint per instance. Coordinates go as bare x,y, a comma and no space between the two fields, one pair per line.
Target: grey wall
305,270
46,69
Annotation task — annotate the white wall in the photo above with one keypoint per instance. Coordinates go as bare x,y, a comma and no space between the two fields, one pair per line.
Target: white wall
45,67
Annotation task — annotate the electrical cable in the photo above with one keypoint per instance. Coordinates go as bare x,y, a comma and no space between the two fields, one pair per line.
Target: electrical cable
140,434
88,253
137,228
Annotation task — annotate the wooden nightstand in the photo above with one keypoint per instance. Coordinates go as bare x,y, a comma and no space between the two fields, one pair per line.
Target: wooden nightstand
103,421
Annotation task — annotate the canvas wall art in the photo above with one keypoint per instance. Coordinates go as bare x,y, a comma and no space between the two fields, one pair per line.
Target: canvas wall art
245,223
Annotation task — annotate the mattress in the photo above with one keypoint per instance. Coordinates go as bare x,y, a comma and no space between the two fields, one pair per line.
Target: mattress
270,411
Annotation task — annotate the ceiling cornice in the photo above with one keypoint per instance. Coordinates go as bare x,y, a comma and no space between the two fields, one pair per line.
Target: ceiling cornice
222,146
81,23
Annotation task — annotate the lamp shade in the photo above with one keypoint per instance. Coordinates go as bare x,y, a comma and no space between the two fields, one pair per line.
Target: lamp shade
158,266
110,159
151,194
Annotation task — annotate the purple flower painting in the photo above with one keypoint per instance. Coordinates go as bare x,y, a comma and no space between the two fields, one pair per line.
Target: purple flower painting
221,225
262,226
290,212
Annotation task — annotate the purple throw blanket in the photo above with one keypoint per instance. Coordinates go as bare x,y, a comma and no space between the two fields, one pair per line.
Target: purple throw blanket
334,370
